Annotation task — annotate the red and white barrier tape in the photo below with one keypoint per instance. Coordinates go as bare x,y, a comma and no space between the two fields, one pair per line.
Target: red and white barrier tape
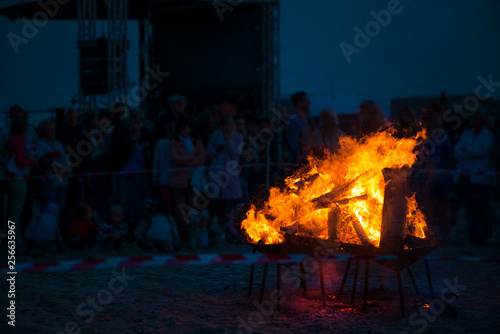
208,259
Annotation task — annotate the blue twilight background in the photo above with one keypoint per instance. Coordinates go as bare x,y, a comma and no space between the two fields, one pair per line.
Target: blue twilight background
429,47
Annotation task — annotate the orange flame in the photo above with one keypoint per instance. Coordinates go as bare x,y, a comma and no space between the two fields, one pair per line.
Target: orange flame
359,161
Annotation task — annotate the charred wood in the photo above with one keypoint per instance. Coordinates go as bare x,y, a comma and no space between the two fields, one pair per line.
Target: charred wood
393,226
360,232
341,190
344,201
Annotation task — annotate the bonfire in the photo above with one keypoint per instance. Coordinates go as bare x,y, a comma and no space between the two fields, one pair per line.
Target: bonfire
341,196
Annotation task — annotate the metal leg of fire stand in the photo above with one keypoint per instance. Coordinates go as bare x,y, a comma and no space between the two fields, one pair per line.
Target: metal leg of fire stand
428,271
365,293
278,285
252,269
263,286
303,283
355,281
322,281
413,281
345,277
400,288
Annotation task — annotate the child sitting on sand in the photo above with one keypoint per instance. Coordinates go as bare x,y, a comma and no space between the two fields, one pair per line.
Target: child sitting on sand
43,232
159,229
112,235
142,227
198,229
82,232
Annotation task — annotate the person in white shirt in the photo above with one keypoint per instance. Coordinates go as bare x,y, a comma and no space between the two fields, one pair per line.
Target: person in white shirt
198,228
158,230
474,152
162,161
224,148
43,230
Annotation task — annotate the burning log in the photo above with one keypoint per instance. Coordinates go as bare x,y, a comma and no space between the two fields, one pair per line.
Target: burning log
322,204
333,220
415,242
351,199
392,232
291,230
360,232
269,217
335,193
301,184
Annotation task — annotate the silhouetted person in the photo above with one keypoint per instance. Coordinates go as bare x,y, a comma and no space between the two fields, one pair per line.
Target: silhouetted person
176,108
438,153
206,126
52,161
473,152
187,152
407,125
31,139
223,149
300,128
72,136
43,231
371,118
253,152
240,127
18,165
132,151
162,162
328,134
99,188
82,232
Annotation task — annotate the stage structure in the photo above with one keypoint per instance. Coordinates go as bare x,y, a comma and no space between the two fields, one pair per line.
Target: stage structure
103,60
147,59
211,53
216,52
87,32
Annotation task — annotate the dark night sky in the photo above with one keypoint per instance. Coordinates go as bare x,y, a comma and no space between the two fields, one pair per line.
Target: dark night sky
430,46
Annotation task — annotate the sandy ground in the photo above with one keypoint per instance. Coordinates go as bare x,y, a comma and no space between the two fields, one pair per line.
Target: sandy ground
213,299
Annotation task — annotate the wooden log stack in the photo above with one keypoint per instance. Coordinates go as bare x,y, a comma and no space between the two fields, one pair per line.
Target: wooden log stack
392,232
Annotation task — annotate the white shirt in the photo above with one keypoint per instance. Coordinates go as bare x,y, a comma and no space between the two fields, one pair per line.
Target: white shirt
162,228
474,154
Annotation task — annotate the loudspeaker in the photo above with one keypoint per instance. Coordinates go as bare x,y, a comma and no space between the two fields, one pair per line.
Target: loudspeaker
94,66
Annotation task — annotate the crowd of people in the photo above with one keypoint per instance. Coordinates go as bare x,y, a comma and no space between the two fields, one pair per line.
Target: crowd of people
197,178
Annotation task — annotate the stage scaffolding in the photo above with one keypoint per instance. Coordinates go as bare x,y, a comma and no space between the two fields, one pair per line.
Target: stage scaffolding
117,50
117,12
117,44
87,31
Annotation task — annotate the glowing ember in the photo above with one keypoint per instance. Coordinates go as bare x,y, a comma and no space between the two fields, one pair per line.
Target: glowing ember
350,182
